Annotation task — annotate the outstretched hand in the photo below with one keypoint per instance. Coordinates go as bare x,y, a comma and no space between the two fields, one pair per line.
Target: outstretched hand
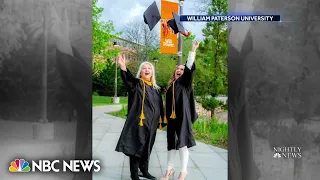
59,25
60,29
195,45
121,61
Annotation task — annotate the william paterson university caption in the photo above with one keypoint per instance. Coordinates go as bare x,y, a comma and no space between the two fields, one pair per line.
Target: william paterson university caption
229,18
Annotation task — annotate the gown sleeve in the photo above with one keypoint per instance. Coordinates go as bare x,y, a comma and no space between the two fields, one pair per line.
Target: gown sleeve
187,76
129,80
75,72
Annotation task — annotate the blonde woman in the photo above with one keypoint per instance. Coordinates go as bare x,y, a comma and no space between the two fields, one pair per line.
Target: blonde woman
180,113
145,113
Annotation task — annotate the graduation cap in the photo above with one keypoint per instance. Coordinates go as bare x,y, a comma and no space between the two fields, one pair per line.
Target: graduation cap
177,26
152,15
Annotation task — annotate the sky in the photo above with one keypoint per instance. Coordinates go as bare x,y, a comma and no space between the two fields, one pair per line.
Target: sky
122,12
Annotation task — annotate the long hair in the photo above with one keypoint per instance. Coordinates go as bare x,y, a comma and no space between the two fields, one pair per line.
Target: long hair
173,77
153,77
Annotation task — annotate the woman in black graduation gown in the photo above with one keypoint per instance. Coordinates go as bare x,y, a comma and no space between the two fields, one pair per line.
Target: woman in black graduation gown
145,109
180,113
76,75
241,165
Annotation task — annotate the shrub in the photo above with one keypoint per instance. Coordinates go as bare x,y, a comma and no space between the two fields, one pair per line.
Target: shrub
211,104
212,132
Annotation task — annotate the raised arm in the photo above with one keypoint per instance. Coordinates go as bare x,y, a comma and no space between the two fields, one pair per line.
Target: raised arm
190,66
126,75
60,29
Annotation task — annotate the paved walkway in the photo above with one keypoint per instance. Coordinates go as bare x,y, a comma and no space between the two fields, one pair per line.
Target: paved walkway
206,162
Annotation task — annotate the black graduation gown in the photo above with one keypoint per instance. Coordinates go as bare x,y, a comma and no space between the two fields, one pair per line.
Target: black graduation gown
77,76
138,140
240,161
179,130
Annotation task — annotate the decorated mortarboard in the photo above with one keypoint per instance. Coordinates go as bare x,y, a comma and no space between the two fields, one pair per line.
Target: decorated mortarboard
177,26
152,15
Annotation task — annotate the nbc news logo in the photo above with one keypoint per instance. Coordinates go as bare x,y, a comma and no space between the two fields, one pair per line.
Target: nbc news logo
287,152
21,165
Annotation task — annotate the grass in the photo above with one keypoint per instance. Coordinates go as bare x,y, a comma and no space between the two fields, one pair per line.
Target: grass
122,113
106,100
211,132
204,130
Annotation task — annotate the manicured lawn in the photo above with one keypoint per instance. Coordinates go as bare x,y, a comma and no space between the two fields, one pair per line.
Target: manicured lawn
204,130
122,113
106,100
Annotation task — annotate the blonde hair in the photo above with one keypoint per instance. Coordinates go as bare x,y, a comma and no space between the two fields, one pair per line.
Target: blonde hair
153,77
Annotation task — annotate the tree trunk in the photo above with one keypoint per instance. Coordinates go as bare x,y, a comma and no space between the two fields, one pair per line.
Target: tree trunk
212,113
297,172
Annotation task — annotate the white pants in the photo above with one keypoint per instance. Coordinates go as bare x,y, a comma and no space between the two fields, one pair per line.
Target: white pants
184,157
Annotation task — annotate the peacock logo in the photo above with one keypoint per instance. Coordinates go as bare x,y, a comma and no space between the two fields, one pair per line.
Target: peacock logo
277,155
19,165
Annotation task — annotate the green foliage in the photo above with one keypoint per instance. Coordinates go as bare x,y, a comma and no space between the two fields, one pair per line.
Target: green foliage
225,106
102,34
211,104
103,53
211,76
122,113
103,83
106,100
165,69
211,132
187,46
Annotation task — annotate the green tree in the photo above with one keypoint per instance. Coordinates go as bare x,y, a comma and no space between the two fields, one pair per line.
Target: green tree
211,104
102,35
165,68
211,77
103,83
187,46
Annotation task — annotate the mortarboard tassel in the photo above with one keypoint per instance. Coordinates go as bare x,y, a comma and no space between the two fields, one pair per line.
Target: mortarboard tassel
186,34
141,118
173,115
142,115
140,122
160,123
165,119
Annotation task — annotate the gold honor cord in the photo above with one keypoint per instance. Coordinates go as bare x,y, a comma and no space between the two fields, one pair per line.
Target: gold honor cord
142,117
173,114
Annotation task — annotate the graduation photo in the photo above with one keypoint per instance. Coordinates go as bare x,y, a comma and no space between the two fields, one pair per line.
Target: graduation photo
159,102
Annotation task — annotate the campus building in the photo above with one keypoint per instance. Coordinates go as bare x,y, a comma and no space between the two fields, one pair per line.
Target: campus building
128,48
